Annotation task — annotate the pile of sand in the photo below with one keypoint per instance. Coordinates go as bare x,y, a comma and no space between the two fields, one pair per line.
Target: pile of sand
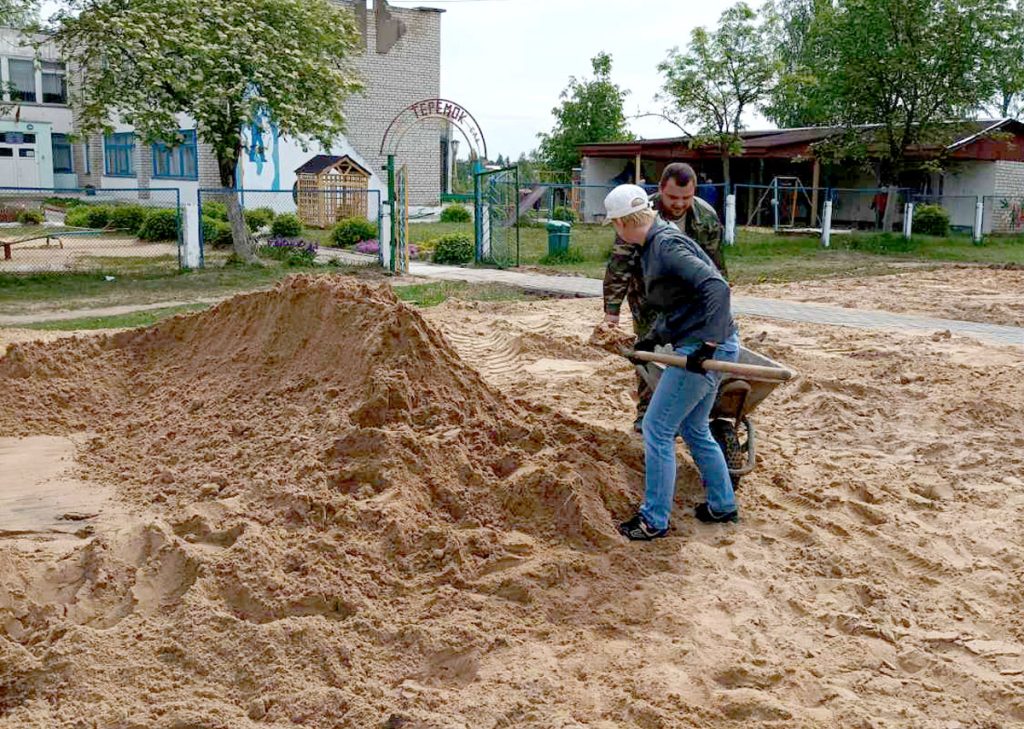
327,504
330,519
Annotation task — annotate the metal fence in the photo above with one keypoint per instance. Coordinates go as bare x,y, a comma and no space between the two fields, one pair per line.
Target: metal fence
309,215
84,229
779,206
962,209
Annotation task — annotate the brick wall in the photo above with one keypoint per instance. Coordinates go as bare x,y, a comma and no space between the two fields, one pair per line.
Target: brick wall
1005,212
409,72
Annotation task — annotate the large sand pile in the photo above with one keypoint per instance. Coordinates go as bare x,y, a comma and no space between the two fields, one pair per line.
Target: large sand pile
329,519
334,518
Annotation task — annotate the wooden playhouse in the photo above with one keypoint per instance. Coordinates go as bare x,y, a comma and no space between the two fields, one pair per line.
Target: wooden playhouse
329,188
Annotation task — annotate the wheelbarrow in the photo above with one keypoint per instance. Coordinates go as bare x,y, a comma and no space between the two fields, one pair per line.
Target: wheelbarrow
739,392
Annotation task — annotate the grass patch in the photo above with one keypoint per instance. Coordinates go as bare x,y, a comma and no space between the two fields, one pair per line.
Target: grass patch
119,321
432,294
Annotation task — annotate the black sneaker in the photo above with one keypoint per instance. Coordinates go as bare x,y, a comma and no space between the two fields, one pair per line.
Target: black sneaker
704,513
638,530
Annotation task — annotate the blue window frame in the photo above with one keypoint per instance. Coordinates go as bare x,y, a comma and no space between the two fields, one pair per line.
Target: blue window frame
119,154
178,162
62,158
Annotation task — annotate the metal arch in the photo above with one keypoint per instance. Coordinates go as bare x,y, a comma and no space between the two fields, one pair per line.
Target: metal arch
403,130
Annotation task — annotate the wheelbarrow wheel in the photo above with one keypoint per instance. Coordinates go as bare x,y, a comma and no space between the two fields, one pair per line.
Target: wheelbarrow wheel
724,433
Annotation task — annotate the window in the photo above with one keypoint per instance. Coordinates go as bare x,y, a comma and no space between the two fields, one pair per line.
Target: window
6,152
177,162
26,153
22,80
55,83
62,164
119,154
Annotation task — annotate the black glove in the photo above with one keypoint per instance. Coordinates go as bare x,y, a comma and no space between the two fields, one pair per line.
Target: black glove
695,361
642,345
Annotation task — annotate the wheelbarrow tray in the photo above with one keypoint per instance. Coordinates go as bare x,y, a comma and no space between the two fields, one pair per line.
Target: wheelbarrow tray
737,396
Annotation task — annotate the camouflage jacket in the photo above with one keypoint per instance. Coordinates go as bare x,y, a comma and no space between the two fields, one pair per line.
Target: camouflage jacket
623,278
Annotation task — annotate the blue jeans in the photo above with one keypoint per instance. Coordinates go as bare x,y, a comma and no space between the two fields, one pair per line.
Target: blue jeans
682,404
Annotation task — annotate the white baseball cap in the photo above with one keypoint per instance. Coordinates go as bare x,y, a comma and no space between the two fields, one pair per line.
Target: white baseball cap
623,200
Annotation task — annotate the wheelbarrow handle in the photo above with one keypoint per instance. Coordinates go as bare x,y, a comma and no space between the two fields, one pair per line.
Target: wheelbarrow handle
746,371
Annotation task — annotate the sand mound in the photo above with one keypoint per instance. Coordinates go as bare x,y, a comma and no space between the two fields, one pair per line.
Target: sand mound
314,453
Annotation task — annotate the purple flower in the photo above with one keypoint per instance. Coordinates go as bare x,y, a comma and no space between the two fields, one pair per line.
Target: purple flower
368,246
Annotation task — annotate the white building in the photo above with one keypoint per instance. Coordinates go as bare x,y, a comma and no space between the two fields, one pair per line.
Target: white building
400,65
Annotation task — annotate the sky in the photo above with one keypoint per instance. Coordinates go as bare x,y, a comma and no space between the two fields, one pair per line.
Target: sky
507,61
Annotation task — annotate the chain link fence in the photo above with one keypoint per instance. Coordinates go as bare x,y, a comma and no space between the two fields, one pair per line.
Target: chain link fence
962,209
779,207
88,230
342,224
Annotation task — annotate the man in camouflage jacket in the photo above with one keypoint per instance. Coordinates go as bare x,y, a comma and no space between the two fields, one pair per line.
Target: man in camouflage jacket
675,202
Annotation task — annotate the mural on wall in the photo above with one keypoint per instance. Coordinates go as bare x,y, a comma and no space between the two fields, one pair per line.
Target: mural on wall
270,159
260,128
1013,213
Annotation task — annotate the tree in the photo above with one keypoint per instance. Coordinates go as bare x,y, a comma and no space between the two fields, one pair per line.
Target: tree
590,112
1008,66
18,13
906,67
792,100
722,74
224,63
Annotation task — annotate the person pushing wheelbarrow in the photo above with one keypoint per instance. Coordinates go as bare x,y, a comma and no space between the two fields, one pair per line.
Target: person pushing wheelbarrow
692,302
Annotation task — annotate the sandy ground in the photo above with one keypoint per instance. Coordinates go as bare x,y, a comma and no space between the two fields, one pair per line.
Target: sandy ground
992,296
342,513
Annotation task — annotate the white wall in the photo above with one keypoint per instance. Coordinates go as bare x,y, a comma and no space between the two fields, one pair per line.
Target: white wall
598,171
277,172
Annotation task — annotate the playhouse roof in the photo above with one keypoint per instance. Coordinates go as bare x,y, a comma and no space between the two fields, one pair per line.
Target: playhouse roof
322,162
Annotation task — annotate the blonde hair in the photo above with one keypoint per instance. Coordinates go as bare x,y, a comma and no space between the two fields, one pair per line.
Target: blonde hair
639,218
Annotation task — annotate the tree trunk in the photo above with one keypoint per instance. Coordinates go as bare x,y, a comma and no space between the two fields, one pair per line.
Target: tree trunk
725,169
241,241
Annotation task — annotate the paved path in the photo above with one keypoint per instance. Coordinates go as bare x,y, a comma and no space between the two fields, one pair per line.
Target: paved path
749,305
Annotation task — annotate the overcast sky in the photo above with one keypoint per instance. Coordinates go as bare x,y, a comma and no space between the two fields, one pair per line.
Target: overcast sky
507,61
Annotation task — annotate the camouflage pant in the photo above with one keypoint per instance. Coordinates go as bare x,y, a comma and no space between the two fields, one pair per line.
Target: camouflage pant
643,320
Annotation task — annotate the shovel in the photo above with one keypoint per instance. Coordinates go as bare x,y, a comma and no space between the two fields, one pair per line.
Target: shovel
744,371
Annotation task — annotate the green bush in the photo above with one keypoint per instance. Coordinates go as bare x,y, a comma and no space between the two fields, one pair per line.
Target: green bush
259,218
931,220
454,248
215,210
286,225
63,202
31,217
128,217
217,233
350,231
89,216
561,258
160,224
77,217
561,212
455,214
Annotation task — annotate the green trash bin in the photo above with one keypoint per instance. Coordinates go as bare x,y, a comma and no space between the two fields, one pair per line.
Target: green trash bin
558,236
